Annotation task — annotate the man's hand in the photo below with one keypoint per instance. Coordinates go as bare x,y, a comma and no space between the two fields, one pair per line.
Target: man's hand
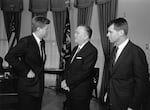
64,85
67,88
105,97
129,108
31,74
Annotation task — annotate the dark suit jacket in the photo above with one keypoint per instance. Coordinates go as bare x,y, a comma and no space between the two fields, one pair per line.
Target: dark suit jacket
129,77
25,56
78,74
1,66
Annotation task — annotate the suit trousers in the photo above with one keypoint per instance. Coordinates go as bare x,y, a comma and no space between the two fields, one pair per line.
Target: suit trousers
78,104
29,102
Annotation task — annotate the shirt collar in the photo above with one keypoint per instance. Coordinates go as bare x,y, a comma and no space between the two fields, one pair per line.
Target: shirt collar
36,38
81,46
123,44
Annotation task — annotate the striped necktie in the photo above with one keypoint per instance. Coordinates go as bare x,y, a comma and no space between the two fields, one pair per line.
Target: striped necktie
114,54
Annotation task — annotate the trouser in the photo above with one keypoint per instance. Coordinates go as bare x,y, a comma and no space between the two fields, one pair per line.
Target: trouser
29,102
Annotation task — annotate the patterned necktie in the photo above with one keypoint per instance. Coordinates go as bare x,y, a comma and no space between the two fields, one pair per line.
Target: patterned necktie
114,54
78,49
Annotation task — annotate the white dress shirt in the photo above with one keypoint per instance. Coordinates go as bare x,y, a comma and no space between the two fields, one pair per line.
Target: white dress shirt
38,42
120,48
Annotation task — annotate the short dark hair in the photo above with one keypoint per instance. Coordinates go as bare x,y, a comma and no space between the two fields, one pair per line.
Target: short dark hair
120,24
89,31
39,21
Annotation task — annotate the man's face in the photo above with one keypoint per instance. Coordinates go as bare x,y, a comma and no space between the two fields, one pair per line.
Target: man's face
43,31
113,34
79,35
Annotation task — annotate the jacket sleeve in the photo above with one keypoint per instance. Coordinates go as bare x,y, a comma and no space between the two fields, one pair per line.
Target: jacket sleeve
15,57
141,78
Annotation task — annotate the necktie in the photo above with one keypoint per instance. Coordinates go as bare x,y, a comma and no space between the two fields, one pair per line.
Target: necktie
42,48
78,49
114,54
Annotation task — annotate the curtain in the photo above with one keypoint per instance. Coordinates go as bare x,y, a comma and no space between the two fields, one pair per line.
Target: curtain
39,7
12,5
58,8
0,3
107,10
39,14
85,8
66,49
3,39
12,18
12,23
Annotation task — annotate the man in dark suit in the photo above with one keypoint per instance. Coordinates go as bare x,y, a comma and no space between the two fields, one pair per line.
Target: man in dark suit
128,79
78,78
27,59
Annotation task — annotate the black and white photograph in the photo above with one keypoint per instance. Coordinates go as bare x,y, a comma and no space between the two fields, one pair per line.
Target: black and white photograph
74,54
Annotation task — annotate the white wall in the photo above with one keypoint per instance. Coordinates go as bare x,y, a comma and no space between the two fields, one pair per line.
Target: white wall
137,12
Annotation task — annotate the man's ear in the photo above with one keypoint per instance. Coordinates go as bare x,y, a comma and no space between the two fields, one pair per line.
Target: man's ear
86,36
121,32
38,28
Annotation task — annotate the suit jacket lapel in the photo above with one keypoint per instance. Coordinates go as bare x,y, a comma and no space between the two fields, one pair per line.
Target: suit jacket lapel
73,52
121,57
82,49
37,49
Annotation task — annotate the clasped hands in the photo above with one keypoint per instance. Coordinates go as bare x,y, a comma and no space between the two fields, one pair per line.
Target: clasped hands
64,85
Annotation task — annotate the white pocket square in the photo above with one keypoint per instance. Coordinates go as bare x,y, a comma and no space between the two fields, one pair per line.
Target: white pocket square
78,57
